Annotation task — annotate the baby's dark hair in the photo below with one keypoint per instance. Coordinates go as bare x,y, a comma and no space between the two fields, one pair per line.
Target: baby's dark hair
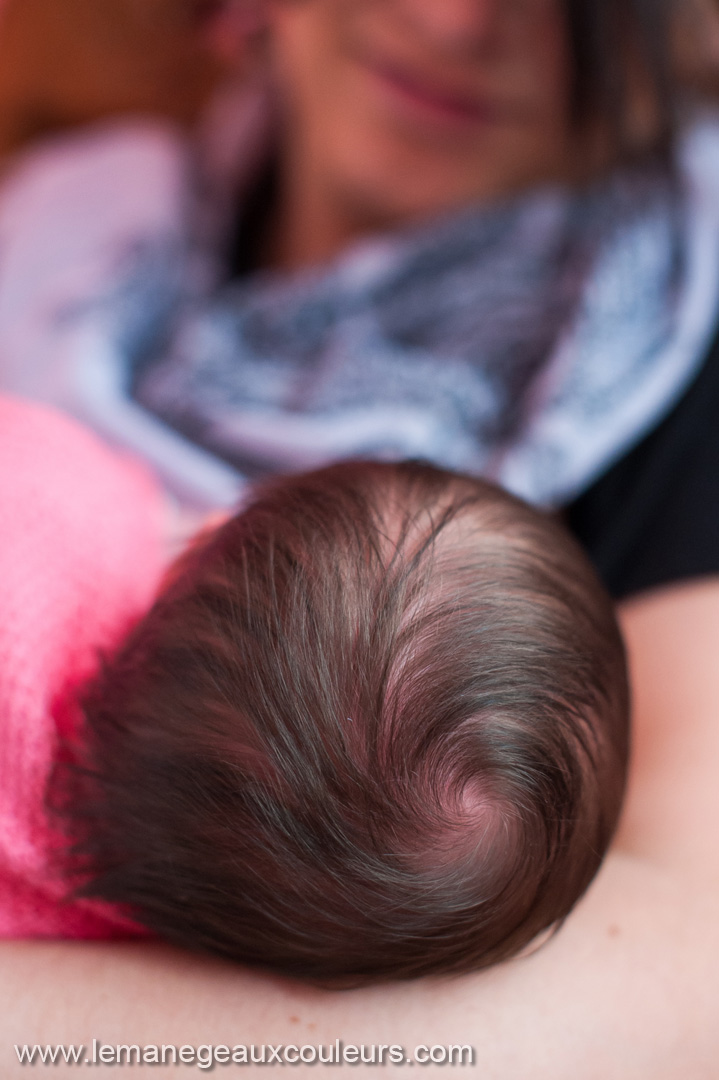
374,727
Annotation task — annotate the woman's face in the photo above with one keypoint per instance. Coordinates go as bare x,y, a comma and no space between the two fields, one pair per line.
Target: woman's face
405,108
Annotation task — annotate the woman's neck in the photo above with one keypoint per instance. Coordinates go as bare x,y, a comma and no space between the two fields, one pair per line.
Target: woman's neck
313,217
311,223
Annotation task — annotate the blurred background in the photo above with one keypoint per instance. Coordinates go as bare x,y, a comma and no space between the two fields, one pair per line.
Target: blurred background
69,62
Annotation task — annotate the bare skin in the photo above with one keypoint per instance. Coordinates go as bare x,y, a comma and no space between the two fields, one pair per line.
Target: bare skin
629,989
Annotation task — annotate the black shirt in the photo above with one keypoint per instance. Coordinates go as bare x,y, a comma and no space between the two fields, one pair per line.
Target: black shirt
653,518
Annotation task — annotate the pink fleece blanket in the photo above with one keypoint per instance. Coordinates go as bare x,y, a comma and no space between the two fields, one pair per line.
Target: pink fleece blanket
80,557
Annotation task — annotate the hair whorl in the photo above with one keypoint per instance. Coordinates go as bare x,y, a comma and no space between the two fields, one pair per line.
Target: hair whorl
375,728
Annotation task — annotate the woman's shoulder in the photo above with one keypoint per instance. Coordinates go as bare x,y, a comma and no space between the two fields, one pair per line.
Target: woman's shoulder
101,176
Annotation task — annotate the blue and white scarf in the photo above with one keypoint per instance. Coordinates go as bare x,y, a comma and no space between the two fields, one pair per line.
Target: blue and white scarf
533,341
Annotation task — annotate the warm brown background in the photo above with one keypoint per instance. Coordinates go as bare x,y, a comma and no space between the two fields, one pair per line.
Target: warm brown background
64,62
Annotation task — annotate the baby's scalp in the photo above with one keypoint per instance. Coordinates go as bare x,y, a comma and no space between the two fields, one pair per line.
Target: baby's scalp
376,727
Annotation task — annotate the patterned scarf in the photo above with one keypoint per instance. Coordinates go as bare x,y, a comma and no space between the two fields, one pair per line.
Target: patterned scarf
533,341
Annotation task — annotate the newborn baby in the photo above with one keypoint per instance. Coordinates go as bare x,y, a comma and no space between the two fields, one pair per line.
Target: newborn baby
374,726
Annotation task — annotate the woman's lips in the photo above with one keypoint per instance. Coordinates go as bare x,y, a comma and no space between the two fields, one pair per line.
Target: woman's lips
426,100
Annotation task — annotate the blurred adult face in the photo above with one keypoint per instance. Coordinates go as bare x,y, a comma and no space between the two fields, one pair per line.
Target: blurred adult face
406,108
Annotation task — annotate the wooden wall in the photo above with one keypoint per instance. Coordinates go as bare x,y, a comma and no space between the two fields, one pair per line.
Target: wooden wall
65,62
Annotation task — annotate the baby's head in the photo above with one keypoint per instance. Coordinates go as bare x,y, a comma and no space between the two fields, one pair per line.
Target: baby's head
375,727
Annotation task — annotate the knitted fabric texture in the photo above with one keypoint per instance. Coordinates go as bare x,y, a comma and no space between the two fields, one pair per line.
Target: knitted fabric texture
80,558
